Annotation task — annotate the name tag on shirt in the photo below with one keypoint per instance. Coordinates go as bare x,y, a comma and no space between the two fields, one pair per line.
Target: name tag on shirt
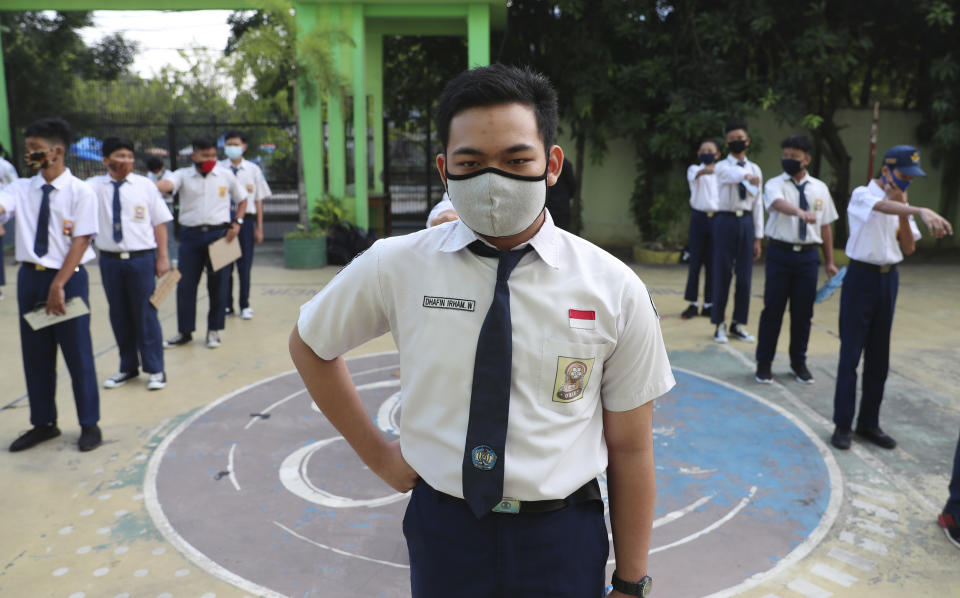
449,303
586,320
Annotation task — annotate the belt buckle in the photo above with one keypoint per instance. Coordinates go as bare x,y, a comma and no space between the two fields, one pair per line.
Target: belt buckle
710,214
507,505
739,213
885,269
39,268
798,248
124,255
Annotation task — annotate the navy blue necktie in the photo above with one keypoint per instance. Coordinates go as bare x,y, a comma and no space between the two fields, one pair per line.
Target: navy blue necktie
117,226
233,202
740,186
43,222
802,226
483,459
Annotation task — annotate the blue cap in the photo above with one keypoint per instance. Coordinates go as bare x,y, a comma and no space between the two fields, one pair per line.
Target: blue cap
904,157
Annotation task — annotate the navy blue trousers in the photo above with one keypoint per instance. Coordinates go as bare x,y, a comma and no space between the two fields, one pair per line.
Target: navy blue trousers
867,302
245,236
953,503
701,255
791,275
733,239
39,349
561,554
193,259
128,285
3,267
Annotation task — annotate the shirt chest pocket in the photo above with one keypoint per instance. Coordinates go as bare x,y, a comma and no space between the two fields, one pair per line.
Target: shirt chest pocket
570,375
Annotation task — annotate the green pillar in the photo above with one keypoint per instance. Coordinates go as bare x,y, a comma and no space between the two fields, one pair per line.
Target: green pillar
336,135
478,35
4,109
375,88
310,118
359,118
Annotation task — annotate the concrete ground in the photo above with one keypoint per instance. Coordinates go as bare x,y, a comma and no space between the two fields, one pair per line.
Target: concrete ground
78,524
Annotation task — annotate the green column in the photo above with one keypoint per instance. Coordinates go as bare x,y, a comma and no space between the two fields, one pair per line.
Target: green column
310,118
375,89
336,135
359,118
4,109
478,35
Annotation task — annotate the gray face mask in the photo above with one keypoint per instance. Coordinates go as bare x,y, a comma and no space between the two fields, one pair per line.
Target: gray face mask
496,203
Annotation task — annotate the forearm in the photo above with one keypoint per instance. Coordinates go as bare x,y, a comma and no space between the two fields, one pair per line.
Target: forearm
905,235
632,493
160,234
260,214
896,208
71,261
241,209
165,186
785,207
826,233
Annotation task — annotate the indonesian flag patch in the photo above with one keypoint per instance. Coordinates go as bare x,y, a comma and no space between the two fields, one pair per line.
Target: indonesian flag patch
586,320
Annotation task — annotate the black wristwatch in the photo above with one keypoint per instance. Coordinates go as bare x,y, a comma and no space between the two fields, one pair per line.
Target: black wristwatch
641,588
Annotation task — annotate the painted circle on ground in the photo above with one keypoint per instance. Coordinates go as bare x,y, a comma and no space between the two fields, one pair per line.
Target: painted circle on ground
260,490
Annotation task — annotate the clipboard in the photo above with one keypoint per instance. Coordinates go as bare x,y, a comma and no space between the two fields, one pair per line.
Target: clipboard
39,319
223,253
165,284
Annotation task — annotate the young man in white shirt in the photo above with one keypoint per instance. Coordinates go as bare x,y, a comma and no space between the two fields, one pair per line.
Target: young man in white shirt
133,250
56,217
256,191
703,206
567,360
882,230
800,214
8,174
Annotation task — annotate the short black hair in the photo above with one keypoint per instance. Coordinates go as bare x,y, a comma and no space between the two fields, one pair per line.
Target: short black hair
154,163
112,144
734,125
712,140
499,84
234,133
51,129
800,142
202,143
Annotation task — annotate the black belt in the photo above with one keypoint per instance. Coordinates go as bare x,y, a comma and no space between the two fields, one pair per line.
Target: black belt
586,493
205,228
737,213
884,269
39,268
794,246
125,255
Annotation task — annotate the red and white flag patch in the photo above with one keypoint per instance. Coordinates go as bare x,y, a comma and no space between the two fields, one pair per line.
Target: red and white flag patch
586,320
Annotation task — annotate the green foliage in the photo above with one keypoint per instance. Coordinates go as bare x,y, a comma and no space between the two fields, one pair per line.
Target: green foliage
327,212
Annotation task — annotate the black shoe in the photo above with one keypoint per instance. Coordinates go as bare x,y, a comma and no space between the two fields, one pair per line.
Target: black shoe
737,332
802,373
90,438
34,437
951,527
690,312
877,436
181,338
706,311
229,311
763,375
841,438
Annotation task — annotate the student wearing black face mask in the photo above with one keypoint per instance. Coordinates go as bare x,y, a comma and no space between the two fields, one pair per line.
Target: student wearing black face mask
882,230
800,211
703,206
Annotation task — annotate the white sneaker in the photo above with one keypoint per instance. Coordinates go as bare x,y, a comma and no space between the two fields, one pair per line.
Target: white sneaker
213,339
246,313
119,379
737,332
157,381
720,336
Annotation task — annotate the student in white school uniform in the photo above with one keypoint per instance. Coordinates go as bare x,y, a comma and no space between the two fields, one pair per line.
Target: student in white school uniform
133,250
800,213
703,206
205,216
882,230
8,174
567,360
256,191
156,170
56,217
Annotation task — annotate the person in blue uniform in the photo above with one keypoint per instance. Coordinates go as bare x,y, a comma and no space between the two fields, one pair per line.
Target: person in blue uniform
56,217
703,207
882,231
949,519
133,249
800,214
205,216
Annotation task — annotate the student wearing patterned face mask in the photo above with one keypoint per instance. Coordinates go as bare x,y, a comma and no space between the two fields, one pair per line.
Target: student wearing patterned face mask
566,355
56,217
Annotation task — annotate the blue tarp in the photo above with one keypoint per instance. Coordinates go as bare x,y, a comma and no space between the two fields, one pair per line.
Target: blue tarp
88,148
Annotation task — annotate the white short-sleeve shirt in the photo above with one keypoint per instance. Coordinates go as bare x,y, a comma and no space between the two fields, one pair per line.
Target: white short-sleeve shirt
251,180
442,206
141,208
73,213
729,176
575,309
873,234
204,200
785,227
703,189
8,173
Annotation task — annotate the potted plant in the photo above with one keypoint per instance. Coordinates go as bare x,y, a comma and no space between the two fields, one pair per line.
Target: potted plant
306,247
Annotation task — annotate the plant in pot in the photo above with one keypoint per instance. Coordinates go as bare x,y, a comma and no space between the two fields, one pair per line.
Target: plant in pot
306,247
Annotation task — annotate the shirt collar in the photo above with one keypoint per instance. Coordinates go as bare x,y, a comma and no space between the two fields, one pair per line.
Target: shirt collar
734,161
228,164
58,183
875,188
545,242
805,179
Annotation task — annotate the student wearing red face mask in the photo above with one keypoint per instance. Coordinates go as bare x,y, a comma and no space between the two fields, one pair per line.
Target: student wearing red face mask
133,249
205,216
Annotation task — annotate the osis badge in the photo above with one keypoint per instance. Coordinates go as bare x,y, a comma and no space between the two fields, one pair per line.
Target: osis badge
223,191
573,375
139,213
68,228
484,458
818,205
249,187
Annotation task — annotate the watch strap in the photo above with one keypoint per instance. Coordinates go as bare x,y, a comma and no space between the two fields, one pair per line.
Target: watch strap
639,588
